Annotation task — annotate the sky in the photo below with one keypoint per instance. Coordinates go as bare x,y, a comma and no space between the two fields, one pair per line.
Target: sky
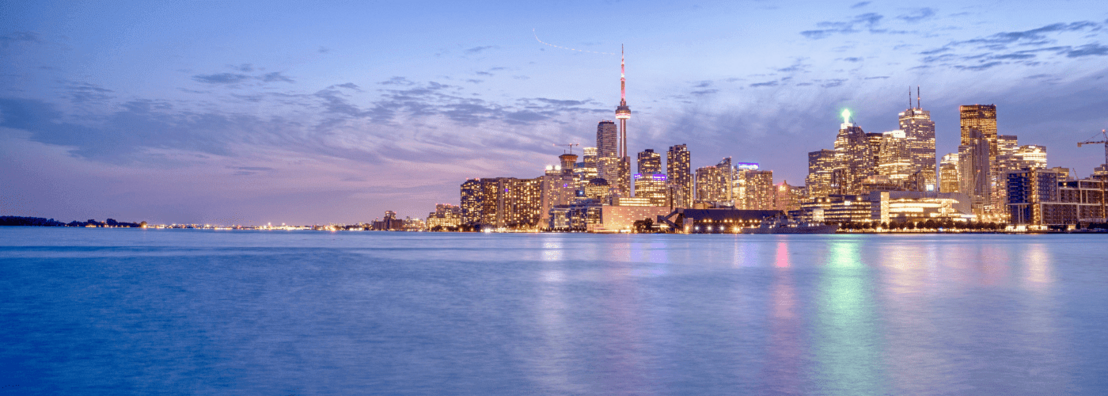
251,112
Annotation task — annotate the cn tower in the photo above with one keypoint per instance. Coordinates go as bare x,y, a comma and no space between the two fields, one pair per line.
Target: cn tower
622,112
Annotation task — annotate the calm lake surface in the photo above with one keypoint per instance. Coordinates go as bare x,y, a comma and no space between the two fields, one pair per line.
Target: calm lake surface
121,311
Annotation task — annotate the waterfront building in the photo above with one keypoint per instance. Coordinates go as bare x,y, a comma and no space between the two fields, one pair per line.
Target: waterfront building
445,216
919,132
679,172
502,202
472,199
652,187
716,221
1041,197
949,180
886,207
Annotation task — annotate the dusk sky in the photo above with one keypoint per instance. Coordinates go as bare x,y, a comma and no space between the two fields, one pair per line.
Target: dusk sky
245,112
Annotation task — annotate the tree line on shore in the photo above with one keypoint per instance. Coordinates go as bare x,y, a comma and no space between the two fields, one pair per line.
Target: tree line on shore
41,222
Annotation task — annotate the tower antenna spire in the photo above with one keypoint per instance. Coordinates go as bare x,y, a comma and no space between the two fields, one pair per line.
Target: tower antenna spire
918,106
909,96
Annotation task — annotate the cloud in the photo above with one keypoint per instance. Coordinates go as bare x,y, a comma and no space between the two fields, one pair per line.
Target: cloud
987,52
13,38
323,50
396,81
877,78
860,5
917,15
480,49
349,86
765,84
979,67
1087,50
221,78
275,77
835,82
83,92
244,68
867,21
853,59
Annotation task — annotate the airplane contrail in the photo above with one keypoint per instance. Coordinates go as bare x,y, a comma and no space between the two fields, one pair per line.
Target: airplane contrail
567,48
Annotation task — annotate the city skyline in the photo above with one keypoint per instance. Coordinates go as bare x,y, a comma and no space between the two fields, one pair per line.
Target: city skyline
231,135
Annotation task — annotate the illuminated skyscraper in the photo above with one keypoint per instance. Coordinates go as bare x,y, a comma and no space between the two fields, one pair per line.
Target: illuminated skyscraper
756,190
679,171
708,188
919,131
502,202
974,170
472,198
855,160
649,162
821,166
948,169
607,140
983,119
894,158
559,184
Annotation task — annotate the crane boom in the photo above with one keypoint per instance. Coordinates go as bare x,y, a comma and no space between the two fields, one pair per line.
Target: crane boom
1104,141
570,145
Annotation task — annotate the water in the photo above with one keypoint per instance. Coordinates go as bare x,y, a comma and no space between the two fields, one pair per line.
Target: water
219,312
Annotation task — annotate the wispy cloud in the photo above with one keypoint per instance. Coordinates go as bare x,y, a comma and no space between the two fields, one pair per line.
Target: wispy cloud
221,78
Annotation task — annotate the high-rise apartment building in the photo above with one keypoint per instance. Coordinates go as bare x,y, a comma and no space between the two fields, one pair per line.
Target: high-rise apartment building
473,196
821,166
679,171
649,162
755,190
559,184
919,130
607,153
707,185
502,202
949,182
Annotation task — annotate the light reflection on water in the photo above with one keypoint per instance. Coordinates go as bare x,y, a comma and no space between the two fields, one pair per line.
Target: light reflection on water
281,313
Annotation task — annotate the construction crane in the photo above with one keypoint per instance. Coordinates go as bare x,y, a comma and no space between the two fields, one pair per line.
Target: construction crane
1103,133
570,145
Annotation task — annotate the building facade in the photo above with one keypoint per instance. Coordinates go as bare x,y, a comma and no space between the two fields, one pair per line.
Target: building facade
679,172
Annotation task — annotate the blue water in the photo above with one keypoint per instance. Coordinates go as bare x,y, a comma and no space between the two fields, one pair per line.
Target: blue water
119,311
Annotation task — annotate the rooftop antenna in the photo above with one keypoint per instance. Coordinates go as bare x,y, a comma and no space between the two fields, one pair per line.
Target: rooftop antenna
917,97
909,96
